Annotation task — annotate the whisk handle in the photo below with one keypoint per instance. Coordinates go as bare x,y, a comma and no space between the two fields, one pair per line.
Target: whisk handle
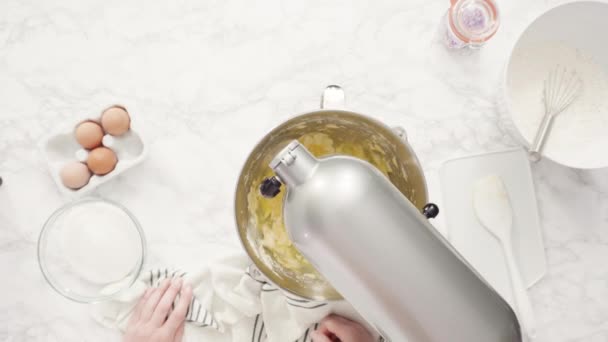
541,136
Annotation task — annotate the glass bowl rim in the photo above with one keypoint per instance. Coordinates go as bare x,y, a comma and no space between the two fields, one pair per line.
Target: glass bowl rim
83,298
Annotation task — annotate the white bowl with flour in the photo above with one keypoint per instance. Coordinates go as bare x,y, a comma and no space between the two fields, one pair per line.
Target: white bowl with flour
570,35
91,249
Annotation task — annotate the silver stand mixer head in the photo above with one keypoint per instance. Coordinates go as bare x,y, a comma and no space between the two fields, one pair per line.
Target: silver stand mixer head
383,256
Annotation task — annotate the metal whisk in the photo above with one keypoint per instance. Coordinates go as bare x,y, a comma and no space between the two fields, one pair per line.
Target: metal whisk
561,88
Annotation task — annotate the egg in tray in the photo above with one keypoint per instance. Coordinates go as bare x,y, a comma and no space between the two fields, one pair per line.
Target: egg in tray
93,151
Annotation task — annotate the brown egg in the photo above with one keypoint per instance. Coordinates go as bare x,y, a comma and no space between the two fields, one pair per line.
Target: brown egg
101,160
89,134
75,175
115,121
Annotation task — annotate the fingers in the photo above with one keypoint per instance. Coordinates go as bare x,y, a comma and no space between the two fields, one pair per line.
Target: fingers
317,336
138,308
336,324
178,315
166,302
323,329
335,319
179,334
148,309
342,328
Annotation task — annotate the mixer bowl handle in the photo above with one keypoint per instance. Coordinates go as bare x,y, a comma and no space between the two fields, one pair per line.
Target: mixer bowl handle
333,97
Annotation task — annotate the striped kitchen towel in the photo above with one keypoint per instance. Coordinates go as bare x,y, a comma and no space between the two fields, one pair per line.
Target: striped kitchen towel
232,303
197,315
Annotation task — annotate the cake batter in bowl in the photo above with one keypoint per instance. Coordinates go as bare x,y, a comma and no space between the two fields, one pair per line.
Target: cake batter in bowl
323,132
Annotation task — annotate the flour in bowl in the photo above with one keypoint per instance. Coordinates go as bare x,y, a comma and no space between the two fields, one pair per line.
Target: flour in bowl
100,242
580,133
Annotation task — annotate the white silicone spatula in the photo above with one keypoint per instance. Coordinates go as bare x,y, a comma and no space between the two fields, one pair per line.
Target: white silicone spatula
493,209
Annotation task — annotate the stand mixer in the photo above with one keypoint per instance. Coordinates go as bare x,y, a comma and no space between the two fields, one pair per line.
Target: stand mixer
365,233
381,253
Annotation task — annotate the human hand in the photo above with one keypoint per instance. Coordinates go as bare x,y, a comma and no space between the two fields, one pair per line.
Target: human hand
153,321
334,328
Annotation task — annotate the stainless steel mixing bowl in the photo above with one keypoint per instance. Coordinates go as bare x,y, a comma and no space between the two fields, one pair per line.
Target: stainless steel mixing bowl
387,146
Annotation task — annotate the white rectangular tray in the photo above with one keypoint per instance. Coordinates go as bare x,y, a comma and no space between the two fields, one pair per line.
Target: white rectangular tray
471,239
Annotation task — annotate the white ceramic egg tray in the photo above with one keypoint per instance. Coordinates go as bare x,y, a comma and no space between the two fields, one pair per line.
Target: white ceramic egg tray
61,147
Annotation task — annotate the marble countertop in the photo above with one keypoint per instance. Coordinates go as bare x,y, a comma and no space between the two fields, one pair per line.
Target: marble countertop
209,78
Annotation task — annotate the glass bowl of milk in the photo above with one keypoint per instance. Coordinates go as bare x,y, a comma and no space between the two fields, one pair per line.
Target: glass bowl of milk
91,249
